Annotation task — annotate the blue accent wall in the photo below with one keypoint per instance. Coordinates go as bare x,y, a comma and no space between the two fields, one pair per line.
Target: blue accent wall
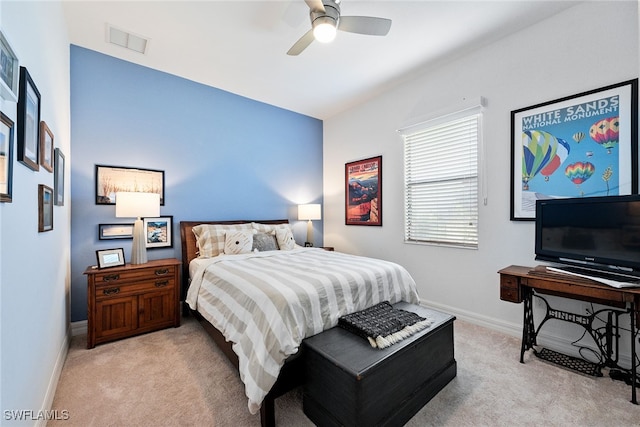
224,156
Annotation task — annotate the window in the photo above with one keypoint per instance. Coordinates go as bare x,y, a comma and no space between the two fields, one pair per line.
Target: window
441,180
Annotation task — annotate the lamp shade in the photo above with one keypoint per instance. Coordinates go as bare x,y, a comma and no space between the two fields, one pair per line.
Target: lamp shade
137,205
309,212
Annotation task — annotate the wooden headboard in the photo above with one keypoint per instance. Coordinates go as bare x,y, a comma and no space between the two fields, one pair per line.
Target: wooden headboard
189,248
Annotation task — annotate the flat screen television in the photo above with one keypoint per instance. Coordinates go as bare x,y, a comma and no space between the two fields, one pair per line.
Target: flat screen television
596,234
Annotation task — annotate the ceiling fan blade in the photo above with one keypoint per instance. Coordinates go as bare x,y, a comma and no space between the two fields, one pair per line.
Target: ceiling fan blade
315,5
301,44
365,25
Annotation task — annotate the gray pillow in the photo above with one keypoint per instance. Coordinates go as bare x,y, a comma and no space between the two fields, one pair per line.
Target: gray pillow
264,242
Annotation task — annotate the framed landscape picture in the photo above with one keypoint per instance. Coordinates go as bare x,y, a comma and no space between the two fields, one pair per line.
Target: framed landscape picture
58,177
115,231
45,208
9,70
112,179
158,232
363,192
28,122
46,147
583,145
6,158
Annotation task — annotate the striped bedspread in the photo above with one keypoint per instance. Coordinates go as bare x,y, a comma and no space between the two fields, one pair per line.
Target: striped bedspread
266,303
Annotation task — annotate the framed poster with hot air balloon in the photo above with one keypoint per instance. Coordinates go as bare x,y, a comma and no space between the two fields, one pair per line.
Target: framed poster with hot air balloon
583,145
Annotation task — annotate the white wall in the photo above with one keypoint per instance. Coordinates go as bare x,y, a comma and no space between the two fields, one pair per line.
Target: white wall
588,46
34,269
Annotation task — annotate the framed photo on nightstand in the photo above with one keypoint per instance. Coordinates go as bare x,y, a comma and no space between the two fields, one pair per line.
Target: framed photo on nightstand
110,257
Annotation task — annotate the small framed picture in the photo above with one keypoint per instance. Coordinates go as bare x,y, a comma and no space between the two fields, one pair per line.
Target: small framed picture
45,208
110,257
28,121
46,147
58,177
6,158
158,232
9,70
115,231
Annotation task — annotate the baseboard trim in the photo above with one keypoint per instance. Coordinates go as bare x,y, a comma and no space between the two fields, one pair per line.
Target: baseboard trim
55,377
513,329
78,328
544,339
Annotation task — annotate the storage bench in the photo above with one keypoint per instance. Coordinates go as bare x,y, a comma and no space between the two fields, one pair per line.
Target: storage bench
350,383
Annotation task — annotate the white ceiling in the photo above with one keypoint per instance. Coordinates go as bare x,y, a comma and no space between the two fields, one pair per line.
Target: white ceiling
240,46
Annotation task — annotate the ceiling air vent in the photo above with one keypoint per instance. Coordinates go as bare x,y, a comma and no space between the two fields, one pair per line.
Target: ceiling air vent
127,40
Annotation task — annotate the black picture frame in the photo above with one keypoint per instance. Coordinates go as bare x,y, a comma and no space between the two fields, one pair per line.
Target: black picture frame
115,231
28,121
45,208
158,232
6,158
110,257
112,179
558,146
58,177
363,192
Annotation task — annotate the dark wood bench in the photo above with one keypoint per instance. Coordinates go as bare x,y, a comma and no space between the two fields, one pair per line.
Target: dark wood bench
350,383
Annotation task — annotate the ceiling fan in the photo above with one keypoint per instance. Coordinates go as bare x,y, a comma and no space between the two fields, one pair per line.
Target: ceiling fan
326,19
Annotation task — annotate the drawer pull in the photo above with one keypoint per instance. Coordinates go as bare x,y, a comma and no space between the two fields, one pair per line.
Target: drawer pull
162,284
111,277
162,271
111,291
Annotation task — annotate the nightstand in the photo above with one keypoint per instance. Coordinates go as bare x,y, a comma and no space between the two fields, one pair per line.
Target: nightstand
132,299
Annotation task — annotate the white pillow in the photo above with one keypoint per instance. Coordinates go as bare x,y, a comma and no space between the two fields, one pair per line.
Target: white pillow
238,242
285,239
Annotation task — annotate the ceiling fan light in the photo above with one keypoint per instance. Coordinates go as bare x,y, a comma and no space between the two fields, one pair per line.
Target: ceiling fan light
324,29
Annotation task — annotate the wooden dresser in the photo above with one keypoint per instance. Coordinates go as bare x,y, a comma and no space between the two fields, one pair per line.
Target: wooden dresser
132,299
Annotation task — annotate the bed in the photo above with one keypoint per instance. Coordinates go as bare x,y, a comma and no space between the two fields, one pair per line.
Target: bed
258,306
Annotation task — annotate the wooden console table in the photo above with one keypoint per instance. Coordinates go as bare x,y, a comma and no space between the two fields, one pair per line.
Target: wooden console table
518,284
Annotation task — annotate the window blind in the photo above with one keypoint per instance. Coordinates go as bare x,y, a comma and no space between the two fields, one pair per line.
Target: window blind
441,182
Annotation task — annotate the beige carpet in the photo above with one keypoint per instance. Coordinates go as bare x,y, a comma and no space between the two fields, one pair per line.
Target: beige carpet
177,377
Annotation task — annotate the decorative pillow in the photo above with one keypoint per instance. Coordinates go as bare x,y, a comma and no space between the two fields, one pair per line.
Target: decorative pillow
285,239
210,237
238,242
265,242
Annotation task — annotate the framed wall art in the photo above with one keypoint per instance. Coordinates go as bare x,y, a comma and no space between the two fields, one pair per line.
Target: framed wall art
582,145
58,177
110,257
28,121
6,158
112,179
46,147
45,208
115,231
158,232
9,70
363,192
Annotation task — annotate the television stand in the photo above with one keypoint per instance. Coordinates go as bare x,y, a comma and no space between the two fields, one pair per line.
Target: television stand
520,284
609,279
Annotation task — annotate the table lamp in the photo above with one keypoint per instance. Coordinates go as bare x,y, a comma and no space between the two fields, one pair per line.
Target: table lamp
309,213
138,205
